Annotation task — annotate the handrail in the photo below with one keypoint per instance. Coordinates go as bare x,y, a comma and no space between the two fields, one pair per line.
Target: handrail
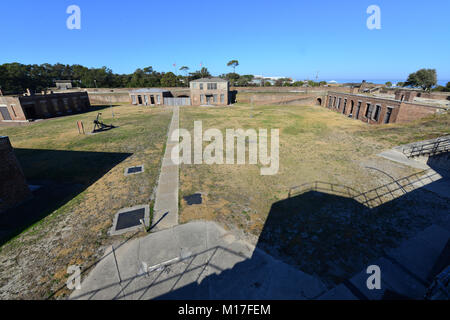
370,198
440,145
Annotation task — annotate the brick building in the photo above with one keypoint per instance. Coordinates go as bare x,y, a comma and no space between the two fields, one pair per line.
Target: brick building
375,110
149,96
40,106
13,186
210,91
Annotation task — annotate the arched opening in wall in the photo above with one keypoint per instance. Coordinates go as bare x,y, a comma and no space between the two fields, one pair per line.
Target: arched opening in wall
318,102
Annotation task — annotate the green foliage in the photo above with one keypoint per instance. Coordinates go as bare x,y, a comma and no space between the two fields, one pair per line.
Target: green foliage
424,78
388,84
16,78
169,79
442,88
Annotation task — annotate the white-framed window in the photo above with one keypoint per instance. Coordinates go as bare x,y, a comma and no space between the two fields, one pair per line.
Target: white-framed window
158,99
222,98
202,98
133,99
215,98
201,86
212,86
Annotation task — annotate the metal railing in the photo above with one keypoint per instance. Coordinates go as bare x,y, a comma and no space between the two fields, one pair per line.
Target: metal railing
437,146
374,197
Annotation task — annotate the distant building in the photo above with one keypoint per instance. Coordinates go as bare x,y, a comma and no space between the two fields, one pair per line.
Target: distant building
210,91
40,106
63,84
149,96
377,110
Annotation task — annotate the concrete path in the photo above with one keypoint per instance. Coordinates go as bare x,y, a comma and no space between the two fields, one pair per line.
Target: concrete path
197,260
165,211
397,156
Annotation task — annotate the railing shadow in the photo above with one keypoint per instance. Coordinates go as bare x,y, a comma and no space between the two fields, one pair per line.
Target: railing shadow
373,197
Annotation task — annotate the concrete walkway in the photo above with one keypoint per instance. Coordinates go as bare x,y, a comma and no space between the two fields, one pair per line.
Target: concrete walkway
165,211
197,260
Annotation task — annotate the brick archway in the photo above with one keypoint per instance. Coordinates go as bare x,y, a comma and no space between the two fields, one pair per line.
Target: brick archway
318,101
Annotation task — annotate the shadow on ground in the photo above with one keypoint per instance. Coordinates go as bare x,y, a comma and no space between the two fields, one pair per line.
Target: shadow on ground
310,243
332,237
61,176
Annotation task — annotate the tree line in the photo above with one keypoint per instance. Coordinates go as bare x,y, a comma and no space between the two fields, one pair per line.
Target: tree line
15,78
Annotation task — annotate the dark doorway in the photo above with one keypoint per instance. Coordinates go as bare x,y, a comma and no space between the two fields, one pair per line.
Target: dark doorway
152,99
357,110
30,112
345,106
139,99
387,116
5,113
352,105
319,102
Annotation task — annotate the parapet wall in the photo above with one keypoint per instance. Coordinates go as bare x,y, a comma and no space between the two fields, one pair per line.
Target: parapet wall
13,186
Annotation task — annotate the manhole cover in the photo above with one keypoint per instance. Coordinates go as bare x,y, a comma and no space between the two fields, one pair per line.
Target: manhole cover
129,219
134,170
195,198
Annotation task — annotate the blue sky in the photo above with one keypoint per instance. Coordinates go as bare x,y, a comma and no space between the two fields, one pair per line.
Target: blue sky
276,38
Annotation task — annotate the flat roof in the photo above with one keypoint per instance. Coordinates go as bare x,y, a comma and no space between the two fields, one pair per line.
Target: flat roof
215,79
143,90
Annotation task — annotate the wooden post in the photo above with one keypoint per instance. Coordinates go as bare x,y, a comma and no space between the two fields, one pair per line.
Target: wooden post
80,127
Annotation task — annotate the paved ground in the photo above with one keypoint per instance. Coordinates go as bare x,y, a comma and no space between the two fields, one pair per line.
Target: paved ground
198,260
166,200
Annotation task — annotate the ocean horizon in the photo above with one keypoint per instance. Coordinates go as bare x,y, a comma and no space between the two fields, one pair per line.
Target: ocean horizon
380,81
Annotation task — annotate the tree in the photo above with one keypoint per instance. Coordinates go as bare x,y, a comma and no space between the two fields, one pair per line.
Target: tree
169,79
424,78
388,84
185,70
233,64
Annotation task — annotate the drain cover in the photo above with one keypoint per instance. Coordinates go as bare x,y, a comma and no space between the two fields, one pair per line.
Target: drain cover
134,170
195,198
128,219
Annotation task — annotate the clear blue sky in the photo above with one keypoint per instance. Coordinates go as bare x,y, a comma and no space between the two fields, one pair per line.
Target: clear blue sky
293,38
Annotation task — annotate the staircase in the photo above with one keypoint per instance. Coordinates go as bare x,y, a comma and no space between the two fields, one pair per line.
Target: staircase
427,148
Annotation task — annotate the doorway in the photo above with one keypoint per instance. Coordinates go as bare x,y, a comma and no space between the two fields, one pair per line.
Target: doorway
5,113
30,112
387,116
358,108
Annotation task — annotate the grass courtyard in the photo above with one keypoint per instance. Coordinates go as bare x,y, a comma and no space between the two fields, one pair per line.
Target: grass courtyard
320,233
73,229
